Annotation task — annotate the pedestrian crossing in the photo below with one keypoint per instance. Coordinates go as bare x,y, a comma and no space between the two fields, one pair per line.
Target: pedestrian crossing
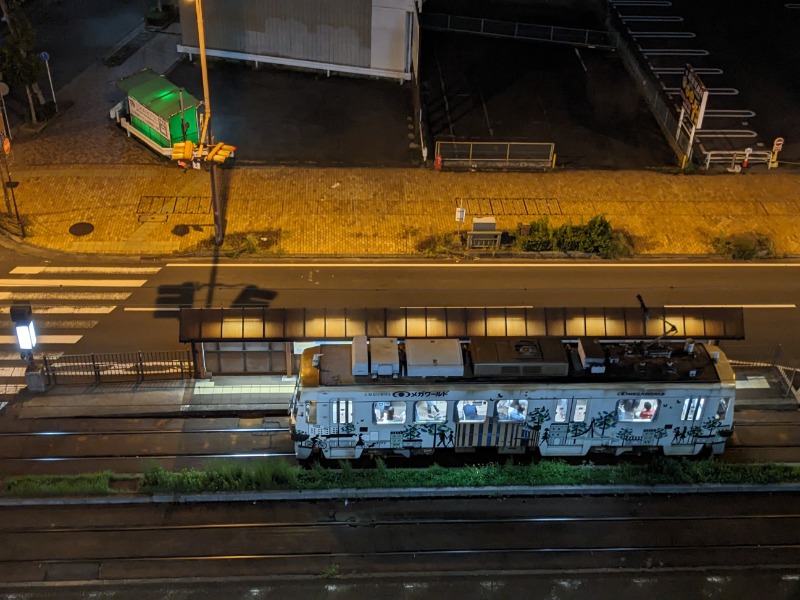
67,301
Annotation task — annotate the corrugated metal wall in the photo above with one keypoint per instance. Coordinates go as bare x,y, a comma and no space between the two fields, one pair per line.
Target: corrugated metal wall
327,31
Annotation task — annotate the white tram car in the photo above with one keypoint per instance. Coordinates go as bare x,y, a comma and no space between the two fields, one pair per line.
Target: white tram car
384,397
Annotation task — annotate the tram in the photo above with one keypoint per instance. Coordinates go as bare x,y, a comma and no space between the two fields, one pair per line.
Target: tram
554,397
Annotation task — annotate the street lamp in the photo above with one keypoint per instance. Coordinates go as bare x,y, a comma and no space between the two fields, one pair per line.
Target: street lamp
21,316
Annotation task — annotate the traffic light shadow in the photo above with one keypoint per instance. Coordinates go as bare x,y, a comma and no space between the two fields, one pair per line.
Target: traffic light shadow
171,298
253,295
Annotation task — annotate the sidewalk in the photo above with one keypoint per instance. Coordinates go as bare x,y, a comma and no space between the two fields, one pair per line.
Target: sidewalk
83,169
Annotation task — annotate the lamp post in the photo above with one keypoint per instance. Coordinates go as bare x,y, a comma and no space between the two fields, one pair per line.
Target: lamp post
206,137
21,317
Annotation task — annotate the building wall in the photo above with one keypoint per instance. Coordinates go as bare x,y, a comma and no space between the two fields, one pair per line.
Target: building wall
364,35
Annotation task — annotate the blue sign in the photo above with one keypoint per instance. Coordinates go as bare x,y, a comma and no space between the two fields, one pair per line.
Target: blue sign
44,56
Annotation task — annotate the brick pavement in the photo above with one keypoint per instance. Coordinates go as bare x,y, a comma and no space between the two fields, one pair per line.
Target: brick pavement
82,168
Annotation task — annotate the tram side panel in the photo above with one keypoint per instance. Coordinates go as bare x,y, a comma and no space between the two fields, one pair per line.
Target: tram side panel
556,422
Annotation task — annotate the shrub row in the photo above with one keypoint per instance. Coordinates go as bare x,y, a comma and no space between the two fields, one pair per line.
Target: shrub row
595,237
280,475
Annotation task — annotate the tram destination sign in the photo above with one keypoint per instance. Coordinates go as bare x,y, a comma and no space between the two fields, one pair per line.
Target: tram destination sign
694,96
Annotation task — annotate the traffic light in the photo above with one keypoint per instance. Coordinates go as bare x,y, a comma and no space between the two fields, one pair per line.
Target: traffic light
183,151
220,153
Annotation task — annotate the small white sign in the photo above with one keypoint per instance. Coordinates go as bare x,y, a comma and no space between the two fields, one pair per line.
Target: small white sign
461,214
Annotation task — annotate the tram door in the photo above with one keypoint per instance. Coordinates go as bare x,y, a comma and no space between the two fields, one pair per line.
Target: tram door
341,440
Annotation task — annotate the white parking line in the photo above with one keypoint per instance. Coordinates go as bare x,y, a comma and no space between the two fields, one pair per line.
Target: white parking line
651,19
730,114
663,34
711,91
680,70
673,52
726,133
649,3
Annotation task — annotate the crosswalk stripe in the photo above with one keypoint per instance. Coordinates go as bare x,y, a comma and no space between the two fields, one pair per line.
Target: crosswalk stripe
15,355
31,296
43,324
12,371
70,310
44,339
104,270
73,282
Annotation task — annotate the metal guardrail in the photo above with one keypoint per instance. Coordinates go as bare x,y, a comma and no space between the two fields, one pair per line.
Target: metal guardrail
124,366
520,31
735,158
651,88
495,155
767,359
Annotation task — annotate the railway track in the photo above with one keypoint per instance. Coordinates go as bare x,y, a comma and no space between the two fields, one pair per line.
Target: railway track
399,537
129,446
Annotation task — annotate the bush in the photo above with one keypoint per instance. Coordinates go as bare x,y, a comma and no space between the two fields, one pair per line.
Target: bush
595,237
746,246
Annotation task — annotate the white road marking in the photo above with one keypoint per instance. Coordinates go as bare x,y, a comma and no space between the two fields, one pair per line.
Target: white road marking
680,71
12,371
15,355
25,295
43,324
103,270
72,282
730,306
726,133
151,308
659,3
730,114
484,265
44,339
711,91
673,52
651,19
663,34
73,310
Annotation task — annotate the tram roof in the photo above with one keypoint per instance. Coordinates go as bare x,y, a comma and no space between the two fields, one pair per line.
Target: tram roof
311,324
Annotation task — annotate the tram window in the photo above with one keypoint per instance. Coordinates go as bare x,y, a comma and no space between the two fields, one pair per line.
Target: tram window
580,410
342,411
637,410
431,411
722,408
512,410
473,411
693,409
311,413
561,410
389,412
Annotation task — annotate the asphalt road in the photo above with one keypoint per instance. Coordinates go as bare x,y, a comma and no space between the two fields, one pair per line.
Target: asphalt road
143,304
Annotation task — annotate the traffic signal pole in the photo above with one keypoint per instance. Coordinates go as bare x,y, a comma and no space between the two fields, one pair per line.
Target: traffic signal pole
206,137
